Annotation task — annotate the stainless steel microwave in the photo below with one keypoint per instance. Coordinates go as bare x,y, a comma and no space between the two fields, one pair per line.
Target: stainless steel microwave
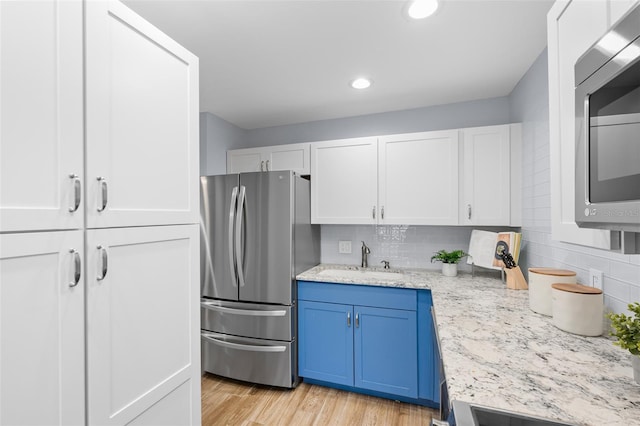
607,97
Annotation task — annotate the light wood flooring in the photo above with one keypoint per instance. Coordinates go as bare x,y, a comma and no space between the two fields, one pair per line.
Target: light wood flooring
229,402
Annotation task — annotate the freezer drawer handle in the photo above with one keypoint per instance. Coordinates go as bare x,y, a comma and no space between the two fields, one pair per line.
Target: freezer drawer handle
253,348
248,312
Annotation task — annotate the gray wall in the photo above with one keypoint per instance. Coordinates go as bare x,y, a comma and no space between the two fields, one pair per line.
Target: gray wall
465,114
529,104
216,137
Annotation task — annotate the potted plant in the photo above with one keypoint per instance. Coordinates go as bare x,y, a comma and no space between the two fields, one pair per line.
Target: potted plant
627,330
449,261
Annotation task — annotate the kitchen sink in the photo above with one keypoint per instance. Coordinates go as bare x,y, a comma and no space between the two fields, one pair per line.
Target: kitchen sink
476,415
361,274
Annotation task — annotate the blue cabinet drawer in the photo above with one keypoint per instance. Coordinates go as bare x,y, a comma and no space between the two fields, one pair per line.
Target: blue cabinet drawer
363,295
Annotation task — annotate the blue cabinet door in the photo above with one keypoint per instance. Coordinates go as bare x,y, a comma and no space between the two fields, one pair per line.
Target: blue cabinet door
325,347
386,353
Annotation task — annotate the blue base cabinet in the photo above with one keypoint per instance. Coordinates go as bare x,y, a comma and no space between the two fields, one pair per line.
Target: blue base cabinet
369,339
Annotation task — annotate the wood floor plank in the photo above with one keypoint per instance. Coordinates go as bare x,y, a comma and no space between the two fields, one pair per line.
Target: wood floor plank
230,402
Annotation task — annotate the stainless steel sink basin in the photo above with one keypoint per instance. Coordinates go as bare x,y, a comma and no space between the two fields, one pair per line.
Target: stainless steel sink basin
476,415
361,274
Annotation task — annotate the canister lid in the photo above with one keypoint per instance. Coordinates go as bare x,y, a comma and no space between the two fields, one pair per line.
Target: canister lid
553,271
576,288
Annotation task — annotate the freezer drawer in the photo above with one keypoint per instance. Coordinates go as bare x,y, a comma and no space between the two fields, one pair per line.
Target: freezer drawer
253,360
272,322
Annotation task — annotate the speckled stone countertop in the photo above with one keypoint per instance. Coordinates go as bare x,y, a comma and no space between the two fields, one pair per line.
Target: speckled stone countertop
499,353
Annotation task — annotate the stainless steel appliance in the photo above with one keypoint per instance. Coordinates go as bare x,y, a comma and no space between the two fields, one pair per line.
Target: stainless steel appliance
607,97
256,237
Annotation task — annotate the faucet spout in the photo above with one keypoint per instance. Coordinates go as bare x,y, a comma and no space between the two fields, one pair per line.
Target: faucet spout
365,252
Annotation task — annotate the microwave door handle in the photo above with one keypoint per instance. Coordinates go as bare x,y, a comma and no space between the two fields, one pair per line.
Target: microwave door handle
238,240
587,148
232,218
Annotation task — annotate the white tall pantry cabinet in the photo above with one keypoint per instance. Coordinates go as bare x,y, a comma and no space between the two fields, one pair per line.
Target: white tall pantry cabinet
99,285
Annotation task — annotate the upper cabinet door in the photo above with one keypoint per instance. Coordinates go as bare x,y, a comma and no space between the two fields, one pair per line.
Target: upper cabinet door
418,178
142,122
41,133
245,160
42,328
344,184
486,188
294,157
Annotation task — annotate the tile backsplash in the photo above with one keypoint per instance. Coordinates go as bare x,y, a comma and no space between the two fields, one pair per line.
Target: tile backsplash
403,246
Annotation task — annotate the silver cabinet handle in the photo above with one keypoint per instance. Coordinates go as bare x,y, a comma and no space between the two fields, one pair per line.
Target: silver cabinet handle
77,192
246,312
268,165
103,189
262,166
77,268
357,320
232,217
469,211
348,319
239,220
239,346
373,212
103,251
382,213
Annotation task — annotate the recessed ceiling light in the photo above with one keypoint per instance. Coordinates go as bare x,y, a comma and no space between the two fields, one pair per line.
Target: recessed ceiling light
361,83
420,9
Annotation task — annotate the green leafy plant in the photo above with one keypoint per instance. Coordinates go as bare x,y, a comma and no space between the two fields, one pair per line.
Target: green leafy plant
448,256
627,329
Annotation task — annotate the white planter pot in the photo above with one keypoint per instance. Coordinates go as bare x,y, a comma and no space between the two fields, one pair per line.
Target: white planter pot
635,363
449,269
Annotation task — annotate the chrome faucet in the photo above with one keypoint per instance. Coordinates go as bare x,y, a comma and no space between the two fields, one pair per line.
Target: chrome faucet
365,252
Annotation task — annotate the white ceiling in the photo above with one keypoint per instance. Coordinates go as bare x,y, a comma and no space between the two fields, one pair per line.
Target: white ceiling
267,63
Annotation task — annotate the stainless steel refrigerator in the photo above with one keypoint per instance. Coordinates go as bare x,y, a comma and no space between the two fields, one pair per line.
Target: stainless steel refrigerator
256,237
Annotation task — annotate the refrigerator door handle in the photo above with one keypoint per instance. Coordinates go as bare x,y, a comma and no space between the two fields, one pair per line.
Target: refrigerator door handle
232,212
238,240
253,348
247,312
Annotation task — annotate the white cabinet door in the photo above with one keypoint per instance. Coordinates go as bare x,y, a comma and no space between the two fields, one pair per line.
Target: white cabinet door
418,178
42,329
295,157
245,160
143,333
345,181
573,26
142,122
486,189
41,133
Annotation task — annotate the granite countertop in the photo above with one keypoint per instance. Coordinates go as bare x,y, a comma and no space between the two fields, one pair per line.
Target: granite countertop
498,353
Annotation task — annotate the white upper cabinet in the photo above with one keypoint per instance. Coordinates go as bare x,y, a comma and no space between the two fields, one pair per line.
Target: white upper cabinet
344,181
573,26
295,157
143,316
486,175
142,122
41,130
42,328
418,178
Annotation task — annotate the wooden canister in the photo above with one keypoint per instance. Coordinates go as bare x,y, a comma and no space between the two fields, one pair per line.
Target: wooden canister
578,309
540,280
